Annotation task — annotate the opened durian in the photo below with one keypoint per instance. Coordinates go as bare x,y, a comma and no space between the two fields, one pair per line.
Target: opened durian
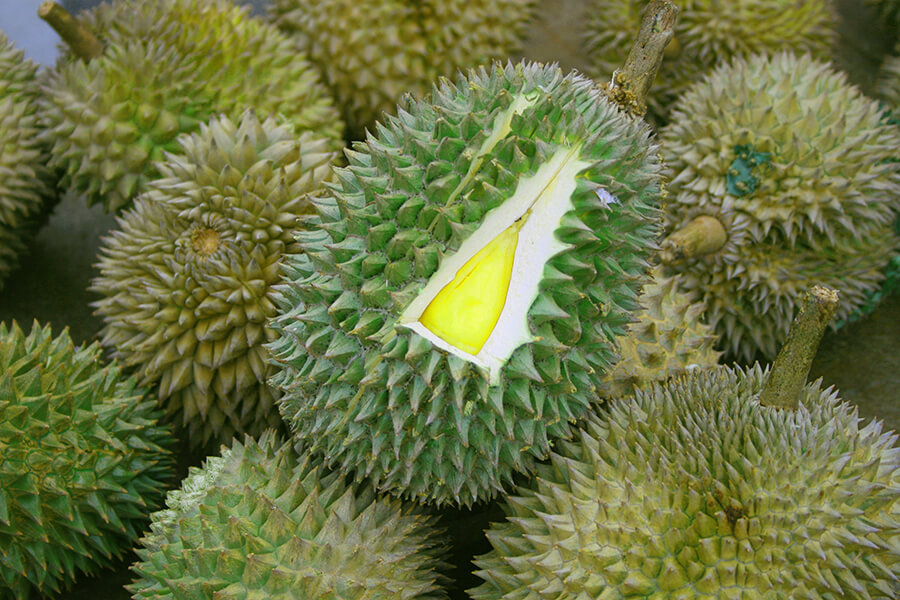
692,489
461,287
782,175
371,52
706,33
265,521
167,67
185,277
25,186
82,461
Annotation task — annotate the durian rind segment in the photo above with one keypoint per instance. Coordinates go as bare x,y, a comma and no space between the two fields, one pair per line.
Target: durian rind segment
384,402
169,65
691,489
823,208
264,520
83,459
192,320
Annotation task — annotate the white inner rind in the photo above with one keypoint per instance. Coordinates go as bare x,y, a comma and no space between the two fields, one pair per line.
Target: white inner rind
546,196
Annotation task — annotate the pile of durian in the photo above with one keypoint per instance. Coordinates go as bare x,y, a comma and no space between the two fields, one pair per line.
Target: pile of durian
388,310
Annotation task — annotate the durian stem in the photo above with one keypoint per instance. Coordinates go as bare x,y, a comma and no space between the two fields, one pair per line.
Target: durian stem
791,366
703,235
79,38
630,85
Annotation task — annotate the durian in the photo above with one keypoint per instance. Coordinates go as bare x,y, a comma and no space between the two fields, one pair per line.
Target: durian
888,84
25,187
371,52
667,338
167,67
519,189
692,489
82,461
186,274
799,168
265,521
706,33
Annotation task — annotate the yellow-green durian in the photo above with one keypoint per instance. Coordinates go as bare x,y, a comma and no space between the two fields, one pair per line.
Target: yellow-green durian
693,490
706,32
25,182
667,338
82,461
461,286
185,276
167,67
371,52
265,521
800,168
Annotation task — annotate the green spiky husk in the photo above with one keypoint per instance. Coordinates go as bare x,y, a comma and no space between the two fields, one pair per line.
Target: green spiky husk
25,186
371,52
380,400
263,520
706,33
168,66
888,84
185,276
83,461
818,207
691,489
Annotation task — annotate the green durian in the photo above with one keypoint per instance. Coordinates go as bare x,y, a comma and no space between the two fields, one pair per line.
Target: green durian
371,52
82,461
888,83
667,338
185,276
263,520
800,170
25,181
168,66
461,287
706,33
692,489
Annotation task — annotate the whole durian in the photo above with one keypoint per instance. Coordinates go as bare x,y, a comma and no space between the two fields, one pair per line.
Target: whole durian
667,338
371,52
692,489
706,32
185,277
461,287
263,520
82,461
168,66
25,186
800,170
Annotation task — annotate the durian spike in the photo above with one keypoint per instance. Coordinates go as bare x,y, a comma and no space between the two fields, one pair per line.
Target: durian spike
630,85
81,41
703,235
791,366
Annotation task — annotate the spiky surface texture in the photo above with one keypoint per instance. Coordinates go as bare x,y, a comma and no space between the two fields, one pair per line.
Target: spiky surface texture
169,65
83,461
24,179
668,338
371,52
185,276
381,400
800,171
263,520
706,33
888,84
693,490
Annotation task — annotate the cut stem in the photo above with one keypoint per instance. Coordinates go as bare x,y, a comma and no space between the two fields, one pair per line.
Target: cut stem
703,235
630,85
83,43
791,366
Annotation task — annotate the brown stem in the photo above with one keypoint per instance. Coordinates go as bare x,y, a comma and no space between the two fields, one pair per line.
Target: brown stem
83,43
703,235
791,366
630,85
